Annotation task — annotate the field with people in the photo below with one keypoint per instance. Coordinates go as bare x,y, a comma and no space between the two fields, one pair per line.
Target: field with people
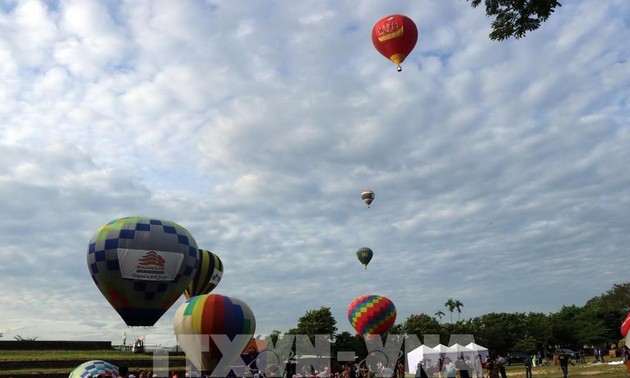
59,363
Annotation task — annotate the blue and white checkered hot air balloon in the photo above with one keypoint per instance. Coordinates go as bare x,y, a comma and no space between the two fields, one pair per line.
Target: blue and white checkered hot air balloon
93,368
142,266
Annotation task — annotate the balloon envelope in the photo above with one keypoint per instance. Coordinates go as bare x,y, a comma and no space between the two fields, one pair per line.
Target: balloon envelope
93,368
208,275
367,196
395,36
371,314
211,314
625,326
365,256
142,265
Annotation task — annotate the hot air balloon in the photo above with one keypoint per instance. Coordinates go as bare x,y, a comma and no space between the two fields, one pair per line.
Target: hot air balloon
625,326
212,314
208,275
367,196
365,255
394,36
371,315
93,368
142,265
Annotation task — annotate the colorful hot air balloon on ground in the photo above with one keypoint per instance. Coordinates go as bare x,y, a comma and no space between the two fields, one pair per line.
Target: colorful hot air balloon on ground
212,314
394,36
142,265
371,315
367,196
208,275
93,368
365,255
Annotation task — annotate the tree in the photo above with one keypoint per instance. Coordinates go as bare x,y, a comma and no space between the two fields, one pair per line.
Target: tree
514,18
450,304
317,322
420,325
440,314
20,338
274,336
563,327
538,329
499,332
345,342
458,306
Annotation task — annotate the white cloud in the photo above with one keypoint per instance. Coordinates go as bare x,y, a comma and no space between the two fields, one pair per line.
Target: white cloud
499,167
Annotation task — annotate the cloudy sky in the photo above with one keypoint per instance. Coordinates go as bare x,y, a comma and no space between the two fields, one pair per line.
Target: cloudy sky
501,169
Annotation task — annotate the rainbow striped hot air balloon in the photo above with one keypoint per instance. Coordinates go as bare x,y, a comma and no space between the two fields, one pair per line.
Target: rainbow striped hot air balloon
371,315
202,316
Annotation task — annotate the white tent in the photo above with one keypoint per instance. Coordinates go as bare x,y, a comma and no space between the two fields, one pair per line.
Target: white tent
441,348
460,349
419,354
478,362
478,349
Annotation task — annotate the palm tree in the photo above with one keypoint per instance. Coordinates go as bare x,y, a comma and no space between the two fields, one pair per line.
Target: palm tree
440,314
450,304
458,305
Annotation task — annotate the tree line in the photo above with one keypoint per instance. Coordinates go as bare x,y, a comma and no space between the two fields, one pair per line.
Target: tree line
597,323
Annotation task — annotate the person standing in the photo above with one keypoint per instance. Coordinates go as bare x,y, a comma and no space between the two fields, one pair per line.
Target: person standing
502,363
626,359
563,361
123,372
528,366
478,366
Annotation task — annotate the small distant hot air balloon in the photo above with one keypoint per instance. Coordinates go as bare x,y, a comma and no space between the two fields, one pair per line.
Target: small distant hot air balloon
208,275
371,315
365,255
394,36
142,266
207,315
367,196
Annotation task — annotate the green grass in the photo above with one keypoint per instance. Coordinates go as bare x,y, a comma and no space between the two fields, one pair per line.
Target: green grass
63,361
577,370
44,355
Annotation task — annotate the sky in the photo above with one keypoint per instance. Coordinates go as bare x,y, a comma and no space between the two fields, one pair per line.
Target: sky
501,169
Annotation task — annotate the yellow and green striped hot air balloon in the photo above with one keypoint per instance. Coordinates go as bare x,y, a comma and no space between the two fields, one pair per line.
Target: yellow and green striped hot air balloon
208,274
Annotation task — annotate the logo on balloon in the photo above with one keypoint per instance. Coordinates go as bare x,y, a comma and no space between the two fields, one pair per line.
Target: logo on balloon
389,29
145,265
152,258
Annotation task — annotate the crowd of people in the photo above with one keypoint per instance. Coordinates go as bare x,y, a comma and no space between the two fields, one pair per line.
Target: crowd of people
348,370
124,372
443,367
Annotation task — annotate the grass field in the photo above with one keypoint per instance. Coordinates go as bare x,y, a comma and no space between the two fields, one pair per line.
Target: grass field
59,363
55,363
577,370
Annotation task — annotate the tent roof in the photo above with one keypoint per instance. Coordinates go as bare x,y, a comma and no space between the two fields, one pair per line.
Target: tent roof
441,348
476,347
459,348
